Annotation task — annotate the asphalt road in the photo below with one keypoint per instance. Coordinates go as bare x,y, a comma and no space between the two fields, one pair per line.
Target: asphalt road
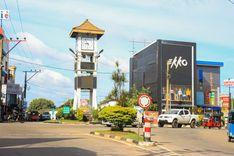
39,139
199,141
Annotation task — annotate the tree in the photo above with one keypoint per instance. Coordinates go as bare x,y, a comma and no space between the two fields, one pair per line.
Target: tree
41,105
134,93
119,79
69,103
118,115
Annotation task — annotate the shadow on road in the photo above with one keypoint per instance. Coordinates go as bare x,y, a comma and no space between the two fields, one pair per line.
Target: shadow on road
46,151
5,142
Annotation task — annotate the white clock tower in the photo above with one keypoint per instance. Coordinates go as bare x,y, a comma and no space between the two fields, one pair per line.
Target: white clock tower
86,36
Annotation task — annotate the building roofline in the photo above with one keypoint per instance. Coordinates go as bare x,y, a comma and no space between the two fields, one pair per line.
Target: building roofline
210,63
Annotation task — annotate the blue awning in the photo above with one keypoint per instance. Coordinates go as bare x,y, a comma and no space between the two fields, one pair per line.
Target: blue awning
215,108
210,63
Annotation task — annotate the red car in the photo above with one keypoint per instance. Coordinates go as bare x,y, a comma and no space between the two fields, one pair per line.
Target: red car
34,116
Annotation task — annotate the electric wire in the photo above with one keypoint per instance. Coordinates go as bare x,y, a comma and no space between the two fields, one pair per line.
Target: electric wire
53,67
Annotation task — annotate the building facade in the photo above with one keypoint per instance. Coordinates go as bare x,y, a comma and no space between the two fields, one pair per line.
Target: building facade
11,92
169,68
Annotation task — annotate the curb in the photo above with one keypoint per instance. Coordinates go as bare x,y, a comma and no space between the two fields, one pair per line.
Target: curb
127,140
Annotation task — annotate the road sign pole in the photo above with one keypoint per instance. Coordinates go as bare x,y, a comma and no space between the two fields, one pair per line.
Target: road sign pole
144,101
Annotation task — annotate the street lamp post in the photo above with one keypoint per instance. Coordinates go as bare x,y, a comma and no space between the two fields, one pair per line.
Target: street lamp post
168,86
230,96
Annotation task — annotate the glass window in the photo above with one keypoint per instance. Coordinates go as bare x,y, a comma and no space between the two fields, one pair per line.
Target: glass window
200,75
181,113
186,112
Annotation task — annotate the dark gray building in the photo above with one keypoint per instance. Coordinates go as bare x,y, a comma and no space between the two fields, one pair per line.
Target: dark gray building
148,69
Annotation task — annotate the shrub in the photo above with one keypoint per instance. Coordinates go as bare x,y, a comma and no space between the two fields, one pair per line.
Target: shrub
79,115
95,114
59,113
118,115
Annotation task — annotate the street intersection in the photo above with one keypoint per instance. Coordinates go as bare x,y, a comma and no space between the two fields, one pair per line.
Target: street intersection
29,138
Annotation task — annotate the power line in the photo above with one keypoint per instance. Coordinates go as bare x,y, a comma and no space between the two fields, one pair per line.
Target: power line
17,4
21,24
48,66
57,68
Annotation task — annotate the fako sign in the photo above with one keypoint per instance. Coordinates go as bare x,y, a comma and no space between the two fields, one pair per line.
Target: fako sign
178,62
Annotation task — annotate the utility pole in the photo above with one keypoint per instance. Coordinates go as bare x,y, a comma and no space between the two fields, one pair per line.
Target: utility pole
134,42
26,79
168,90
230,96
1,51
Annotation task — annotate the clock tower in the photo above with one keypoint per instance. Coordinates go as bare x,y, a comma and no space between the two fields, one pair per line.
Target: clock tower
85,67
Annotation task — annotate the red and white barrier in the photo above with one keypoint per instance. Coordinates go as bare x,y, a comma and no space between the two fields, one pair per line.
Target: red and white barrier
147,132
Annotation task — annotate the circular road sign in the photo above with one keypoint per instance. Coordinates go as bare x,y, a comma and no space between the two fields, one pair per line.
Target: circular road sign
144,100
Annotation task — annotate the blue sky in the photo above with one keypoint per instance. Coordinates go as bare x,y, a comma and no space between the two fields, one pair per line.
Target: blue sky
47,24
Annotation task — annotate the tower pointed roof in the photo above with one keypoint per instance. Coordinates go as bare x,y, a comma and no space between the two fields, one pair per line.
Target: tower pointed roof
86,28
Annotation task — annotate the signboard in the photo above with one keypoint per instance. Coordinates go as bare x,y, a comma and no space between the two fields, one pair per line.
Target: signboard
66,110
225,101
4,14
4,91
140,112
151,116
14,89
144,100
229,83
180,58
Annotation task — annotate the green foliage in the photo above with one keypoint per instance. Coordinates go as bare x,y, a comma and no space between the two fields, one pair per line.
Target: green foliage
41,105
70,116
118,115
69,103
95,114
79,115
133,95
59,113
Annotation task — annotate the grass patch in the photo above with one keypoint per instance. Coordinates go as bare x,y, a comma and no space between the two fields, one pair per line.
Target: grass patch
124,134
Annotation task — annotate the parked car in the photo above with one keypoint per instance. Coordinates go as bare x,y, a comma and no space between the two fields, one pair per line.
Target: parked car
33,116
177,118
45,116
107,123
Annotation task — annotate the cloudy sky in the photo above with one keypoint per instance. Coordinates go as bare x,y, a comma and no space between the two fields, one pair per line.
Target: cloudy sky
47,23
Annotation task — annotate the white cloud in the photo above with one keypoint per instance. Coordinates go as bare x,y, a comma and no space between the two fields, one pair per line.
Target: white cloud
190,20
53,79
110,63
40,49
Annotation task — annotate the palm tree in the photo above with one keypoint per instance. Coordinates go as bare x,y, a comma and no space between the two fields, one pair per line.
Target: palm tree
119,79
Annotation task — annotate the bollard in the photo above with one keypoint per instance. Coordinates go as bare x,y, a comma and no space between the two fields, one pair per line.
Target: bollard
147,132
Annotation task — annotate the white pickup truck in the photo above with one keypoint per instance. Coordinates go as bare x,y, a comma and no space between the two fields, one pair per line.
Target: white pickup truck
177,118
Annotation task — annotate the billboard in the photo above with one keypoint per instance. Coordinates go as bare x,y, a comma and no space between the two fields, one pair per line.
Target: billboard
180,58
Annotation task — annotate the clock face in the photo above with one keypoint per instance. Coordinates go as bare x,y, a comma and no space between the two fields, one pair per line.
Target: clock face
87,43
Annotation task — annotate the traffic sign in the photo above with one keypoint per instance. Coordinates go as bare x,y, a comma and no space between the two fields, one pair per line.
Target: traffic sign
66,110
144,100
